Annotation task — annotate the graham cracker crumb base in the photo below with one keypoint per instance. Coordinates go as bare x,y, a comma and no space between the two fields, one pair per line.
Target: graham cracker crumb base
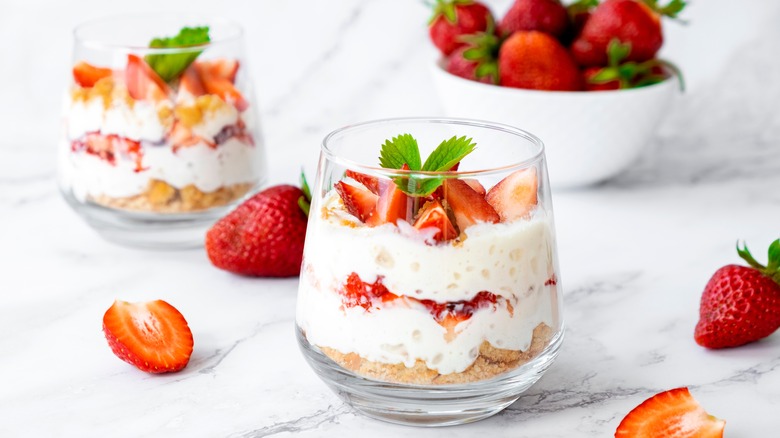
490,363
161,197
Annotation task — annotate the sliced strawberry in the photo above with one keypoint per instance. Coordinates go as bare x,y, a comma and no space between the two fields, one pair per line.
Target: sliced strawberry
515,196
433,215
359,202
393,205
476,185
153,336
468,206
673,414
221,68
191,83
87,75
143,83
215,84
371,182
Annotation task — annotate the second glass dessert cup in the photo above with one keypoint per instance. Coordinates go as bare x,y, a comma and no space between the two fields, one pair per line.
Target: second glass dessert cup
160,134
430,291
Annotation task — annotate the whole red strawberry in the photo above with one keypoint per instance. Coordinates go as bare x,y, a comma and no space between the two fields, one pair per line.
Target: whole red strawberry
633,22
264,236
454,18
741,304
477,61
536,60
547,16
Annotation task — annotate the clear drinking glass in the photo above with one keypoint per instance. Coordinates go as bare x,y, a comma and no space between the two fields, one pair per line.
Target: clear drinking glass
430,309
158,143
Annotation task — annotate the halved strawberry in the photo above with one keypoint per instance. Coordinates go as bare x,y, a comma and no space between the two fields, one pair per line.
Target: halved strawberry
143,83
476,185
221,68
86,74
153,335
670,414
191,83
359,202
432,214
371,182
514,196
216,84
468,206
393,204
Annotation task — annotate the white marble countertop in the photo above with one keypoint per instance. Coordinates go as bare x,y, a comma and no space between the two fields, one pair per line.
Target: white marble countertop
635,252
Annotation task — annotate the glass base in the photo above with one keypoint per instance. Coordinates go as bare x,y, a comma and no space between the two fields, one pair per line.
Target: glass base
171,231
429,405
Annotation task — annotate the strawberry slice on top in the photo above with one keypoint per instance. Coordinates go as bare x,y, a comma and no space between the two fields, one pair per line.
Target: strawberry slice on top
358,201
371,182
190,82
86,75
221,68
433,215
153,336
468,206
670,414
143,83
216,84
393,204
516,195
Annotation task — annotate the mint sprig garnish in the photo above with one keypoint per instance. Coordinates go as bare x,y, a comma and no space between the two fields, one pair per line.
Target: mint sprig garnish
398,151
403,150
171,66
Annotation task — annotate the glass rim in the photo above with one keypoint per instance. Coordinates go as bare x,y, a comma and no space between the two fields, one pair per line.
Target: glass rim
376,169
94,43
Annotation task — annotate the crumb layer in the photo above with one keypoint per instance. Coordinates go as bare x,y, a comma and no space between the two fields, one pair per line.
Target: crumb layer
161,197
490,363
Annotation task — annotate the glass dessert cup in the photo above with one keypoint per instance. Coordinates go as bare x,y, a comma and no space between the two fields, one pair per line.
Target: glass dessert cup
158,143
430,298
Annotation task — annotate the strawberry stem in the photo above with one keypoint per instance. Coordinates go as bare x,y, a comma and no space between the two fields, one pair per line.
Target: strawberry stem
305,201
772,268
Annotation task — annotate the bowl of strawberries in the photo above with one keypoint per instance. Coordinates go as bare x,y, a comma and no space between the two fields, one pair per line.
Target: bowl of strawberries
585,77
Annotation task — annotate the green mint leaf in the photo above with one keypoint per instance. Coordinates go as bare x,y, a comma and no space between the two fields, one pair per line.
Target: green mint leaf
400,150
449,153
170,66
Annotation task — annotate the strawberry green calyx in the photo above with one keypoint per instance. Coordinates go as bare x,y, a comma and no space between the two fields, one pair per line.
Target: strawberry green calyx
671,10
483,50
581,7
632,74
446,8
402,152
305,201
772,268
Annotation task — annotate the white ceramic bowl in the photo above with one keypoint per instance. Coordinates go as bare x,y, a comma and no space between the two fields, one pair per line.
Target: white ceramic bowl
589,137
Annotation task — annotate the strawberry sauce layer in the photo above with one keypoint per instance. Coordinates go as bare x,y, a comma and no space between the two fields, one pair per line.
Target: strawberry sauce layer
107,147
358,293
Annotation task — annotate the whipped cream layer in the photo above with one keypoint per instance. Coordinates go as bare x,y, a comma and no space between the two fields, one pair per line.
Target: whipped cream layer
513,260
205,166
202,165
505,258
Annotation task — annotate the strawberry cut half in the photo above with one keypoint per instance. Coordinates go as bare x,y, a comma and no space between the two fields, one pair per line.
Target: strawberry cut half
516,195
87,75
216,84
393,204
468,206
143,83
358,201
190,82
153,336
433,215
673,414
371,182
221,68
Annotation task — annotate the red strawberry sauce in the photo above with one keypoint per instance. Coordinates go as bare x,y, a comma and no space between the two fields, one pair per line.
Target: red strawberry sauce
356,293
